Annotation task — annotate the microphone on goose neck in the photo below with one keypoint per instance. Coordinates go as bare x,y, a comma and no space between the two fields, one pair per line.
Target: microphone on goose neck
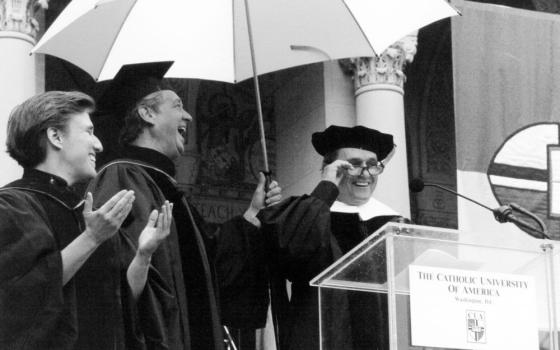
502,214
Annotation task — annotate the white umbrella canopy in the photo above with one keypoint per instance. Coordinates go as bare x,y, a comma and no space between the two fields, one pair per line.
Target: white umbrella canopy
208,39
215,40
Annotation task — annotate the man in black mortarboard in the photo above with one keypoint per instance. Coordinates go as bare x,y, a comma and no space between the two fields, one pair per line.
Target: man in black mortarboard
310,232
201,276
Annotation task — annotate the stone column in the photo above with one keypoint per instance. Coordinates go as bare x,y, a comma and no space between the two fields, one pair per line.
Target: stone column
18,81
378,88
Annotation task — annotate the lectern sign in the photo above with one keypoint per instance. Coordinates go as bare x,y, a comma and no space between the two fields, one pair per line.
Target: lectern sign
463,309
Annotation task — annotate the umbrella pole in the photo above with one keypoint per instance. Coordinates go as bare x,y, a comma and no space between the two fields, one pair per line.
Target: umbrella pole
257,90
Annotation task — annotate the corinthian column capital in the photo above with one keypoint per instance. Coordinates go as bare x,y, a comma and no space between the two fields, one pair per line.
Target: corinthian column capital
386,68
18,16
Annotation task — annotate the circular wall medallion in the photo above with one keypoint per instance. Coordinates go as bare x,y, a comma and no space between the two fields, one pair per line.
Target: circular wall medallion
526,170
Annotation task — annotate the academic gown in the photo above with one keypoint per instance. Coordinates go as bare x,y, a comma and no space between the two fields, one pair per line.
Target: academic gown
40,216
305,237
180,306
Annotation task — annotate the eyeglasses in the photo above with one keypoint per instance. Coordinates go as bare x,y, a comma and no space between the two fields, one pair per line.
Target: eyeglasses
372,168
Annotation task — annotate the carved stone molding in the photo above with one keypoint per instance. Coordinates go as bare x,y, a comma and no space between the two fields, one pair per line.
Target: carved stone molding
18,16
384,69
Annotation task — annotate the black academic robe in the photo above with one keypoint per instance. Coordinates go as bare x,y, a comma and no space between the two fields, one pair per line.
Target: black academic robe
180,306
305,237
40,216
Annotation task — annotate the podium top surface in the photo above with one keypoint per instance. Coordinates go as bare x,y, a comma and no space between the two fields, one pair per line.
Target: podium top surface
365,267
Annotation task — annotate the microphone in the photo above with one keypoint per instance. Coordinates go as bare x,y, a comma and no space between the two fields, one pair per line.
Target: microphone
417,185
520,209
501,214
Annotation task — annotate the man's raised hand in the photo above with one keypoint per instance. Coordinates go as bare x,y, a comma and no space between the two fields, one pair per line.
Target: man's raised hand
334,171
156,230
262,199
104,222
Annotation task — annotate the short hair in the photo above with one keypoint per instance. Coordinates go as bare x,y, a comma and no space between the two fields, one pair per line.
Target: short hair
133,122
26,139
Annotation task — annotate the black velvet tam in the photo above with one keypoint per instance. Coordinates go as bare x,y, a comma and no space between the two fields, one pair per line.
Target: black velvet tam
132,83
336,137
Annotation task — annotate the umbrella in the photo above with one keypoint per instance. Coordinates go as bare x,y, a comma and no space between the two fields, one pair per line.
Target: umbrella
229,40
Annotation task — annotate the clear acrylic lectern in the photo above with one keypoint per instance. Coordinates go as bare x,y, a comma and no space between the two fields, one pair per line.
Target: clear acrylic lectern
443,292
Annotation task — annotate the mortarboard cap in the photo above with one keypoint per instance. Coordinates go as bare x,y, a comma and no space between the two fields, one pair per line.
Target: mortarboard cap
336,137
132,83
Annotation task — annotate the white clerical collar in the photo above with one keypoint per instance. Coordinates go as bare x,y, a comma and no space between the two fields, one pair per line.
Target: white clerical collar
366,211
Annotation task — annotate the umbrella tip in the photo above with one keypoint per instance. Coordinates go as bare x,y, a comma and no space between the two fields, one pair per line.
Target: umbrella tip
455,9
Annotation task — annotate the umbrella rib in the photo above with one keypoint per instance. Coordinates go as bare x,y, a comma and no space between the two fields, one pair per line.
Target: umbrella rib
360,27
116,36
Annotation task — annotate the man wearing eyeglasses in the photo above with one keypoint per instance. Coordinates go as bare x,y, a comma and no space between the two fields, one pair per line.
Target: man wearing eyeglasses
308,233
